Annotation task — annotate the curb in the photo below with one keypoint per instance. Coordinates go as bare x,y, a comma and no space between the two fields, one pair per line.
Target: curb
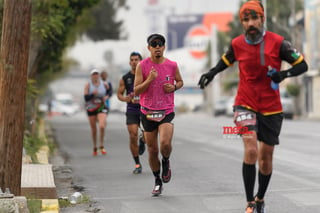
48,205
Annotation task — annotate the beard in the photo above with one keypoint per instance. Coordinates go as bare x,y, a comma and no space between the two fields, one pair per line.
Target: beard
254,35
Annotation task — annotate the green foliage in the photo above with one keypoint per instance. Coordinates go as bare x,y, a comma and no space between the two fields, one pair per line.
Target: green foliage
293,89
34,205
32,145
52,21
105,25
32,90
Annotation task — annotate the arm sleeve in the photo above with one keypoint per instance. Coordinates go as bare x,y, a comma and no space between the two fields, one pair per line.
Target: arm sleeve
219,67
293,57
110,90
88,97
290,54
229,57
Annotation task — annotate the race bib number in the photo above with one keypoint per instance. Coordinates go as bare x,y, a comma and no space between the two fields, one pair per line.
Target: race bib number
245,118
135,99
155,115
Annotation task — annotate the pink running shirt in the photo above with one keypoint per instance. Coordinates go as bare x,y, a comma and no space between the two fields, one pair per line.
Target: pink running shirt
155,98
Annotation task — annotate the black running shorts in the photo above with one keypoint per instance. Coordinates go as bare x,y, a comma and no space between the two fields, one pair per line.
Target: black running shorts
268,127
133,118
149,126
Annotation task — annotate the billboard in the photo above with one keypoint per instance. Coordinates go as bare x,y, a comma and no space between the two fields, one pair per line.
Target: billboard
194,31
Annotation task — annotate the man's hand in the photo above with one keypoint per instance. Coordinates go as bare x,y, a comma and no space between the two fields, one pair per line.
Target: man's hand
276,76
206,78
153,74
168,88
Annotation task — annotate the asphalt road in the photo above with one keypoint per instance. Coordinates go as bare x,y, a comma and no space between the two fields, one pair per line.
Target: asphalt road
206,168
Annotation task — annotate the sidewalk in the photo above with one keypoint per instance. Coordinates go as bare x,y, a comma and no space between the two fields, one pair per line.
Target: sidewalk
37,180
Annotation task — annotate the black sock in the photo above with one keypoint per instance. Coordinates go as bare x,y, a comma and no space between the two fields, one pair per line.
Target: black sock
164,159
136,159
263,184
156,174
249,178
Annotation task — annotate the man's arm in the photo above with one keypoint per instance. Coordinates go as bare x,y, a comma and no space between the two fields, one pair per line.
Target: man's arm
206,78
168,87
139,85
110,90
120,92
178,79
87,96
293,57
226,60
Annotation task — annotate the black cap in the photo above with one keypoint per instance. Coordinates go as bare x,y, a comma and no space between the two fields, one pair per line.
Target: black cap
155,36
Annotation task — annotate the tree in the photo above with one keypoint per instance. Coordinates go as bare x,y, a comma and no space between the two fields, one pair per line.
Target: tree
105,25
14,54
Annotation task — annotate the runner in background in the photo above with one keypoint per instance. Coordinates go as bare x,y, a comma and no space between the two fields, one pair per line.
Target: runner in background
95,95
104,77
125,94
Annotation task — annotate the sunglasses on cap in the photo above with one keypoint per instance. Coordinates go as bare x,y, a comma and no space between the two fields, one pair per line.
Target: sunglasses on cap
156,43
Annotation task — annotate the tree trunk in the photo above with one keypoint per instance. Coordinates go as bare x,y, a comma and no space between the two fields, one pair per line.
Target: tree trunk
14,54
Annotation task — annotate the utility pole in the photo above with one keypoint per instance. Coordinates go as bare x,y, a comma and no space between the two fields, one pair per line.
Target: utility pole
264,3
14,53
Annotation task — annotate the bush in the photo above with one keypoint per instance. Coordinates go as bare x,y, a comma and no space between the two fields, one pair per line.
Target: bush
293,89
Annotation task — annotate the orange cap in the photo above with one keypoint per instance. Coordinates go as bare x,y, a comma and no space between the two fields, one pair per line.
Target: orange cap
251,7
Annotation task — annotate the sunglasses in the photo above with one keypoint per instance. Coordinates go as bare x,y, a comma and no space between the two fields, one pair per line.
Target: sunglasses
156,43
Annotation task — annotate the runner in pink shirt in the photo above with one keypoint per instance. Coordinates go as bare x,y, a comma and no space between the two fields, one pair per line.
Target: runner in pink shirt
156,80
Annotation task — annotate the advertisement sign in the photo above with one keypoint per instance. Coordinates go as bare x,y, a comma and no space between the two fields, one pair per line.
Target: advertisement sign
193,32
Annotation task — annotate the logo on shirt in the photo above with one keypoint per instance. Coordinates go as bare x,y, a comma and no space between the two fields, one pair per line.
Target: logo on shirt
295,54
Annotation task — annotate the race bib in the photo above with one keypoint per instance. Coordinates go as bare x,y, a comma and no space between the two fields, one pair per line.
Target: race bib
94,104
155,115
245,118
135,99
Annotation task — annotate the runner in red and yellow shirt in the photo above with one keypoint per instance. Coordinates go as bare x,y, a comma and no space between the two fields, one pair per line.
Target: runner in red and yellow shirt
257,104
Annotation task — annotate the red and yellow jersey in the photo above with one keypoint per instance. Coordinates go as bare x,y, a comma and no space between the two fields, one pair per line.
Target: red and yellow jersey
254,90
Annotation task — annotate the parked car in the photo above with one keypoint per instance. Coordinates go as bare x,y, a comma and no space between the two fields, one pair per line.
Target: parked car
65,104
287,104
229,106
220,106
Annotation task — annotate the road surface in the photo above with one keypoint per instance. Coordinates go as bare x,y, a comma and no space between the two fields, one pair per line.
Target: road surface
206,167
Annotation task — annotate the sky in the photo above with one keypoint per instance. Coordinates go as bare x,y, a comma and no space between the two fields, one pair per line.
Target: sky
139,21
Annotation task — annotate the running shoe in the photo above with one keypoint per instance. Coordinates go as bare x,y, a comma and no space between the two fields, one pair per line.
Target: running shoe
260,206
142,145
157,189
166,171
94,153
138,169
102,150
251,208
